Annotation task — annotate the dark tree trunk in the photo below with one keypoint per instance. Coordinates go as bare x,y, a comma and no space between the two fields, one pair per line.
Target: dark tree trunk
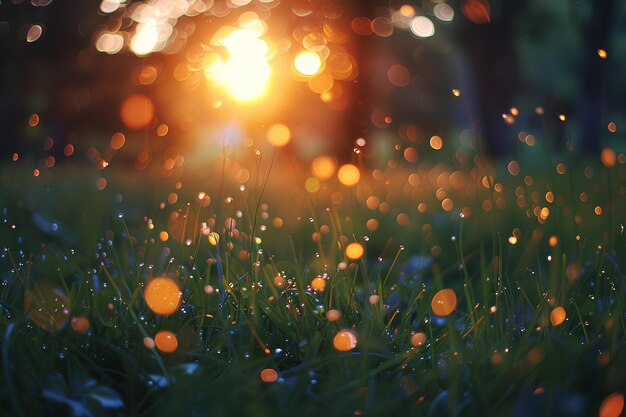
592,104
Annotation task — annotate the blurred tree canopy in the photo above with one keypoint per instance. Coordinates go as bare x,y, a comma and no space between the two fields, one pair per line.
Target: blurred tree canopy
530,54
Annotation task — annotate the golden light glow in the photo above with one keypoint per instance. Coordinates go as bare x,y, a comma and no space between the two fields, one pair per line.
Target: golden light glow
443,302
162,296
246,72
166,341
345,341
307,63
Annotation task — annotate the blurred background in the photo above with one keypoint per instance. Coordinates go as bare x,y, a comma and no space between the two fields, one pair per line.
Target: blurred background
386,71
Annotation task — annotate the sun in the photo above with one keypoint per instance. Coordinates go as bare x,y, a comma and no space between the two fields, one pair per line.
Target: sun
245,72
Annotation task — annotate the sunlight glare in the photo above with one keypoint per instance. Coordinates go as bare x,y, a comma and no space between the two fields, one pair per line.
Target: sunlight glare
246,72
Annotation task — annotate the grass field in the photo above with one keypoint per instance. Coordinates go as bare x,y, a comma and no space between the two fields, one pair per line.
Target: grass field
277,316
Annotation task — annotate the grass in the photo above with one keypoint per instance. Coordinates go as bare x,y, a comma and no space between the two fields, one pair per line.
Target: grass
512,248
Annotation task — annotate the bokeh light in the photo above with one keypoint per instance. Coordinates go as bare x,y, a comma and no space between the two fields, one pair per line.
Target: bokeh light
354,251
323,167
418,339
137,111
557,316
422,27
34,33
345,341
166,341
318,283
608,157
443,302
349,175
476,11
146,38
269,375
149,343
443,12
612,406
162,296
333,315
278,135
80,324
109,42
307,63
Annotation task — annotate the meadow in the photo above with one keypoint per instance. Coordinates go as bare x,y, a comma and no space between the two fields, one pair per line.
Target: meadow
441,286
